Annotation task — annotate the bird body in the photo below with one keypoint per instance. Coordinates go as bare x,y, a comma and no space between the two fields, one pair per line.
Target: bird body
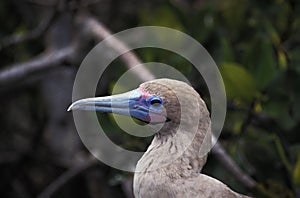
171,166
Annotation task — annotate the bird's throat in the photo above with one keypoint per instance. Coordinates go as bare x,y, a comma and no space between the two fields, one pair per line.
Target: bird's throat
176,155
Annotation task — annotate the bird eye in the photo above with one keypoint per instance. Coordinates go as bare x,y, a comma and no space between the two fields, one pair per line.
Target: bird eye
155,101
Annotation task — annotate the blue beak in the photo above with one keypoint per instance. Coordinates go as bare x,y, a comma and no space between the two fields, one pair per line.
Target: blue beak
131,103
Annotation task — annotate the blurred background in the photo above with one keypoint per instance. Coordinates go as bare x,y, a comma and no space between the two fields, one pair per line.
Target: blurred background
256,45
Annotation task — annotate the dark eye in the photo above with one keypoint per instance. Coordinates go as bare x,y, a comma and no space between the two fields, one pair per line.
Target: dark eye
155,101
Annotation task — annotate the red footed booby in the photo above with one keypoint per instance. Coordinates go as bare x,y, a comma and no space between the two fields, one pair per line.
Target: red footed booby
171,166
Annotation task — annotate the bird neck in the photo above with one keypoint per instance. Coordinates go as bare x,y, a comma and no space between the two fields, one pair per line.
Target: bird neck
176,152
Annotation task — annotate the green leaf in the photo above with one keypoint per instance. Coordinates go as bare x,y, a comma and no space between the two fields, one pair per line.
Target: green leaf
261,61
239,83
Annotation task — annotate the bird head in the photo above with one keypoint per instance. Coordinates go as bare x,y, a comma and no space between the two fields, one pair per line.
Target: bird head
155,101
147,103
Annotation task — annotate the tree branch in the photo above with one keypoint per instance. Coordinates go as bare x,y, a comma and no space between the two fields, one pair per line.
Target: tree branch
98,31
232,167
45,61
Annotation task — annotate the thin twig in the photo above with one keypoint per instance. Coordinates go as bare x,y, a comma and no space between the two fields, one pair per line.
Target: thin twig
231,166
37,32
45,61
100,32
66,177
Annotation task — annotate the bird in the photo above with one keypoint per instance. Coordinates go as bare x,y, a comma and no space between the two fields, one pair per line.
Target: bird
171,166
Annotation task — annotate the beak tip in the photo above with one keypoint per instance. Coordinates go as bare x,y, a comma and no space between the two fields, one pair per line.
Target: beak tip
70,108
